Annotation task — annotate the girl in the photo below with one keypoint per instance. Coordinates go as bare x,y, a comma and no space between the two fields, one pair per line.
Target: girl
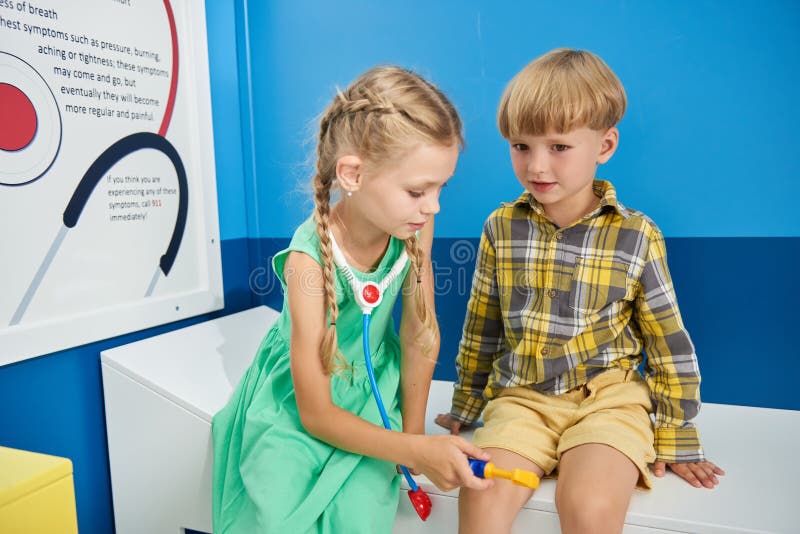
300,446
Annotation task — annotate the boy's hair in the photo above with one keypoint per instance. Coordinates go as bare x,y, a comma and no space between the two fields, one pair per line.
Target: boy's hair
383,113
560,91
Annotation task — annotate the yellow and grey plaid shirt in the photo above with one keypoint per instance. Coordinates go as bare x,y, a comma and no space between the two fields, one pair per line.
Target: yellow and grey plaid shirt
553,307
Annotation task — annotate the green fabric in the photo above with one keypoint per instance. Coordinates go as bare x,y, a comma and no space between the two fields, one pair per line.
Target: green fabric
272,476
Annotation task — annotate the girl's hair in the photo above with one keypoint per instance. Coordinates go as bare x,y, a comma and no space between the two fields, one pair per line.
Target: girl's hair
384,112
560,91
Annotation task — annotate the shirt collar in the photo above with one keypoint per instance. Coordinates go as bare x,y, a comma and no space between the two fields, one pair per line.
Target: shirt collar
602,188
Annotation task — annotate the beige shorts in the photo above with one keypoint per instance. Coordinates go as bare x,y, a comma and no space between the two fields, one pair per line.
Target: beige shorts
613,409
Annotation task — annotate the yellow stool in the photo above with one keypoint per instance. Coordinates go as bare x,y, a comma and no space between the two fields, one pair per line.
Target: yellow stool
37,495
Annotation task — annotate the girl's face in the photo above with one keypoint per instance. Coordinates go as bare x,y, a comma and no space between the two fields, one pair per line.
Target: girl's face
401,197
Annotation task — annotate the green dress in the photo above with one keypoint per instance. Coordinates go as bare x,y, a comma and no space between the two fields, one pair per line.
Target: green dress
270,475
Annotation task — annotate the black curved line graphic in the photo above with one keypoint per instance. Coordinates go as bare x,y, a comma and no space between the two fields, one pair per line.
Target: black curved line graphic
106,160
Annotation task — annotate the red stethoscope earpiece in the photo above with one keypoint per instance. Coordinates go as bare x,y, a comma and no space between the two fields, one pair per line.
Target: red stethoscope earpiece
368,294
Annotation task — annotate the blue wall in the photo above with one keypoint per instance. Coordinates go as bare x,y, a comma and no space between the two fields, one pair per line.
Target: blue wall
708,150
708,142
708,145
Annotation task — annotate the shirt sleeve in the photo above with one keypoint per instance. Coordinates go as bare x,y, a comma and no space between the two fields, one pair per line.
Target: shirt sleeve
482,338
671,370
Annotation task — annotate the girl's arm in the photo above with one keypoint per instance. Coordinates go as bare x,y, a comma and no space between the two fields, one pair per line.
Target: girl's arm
443,461
417,365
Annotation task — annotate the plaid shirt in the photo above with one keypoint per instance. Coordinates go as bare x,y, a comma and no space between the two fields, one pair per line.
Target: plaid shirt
553,307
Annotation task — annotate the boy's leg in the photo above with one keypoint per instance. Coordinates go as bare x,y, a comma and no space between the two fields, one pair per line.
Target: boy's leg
594,488
522,430
494,510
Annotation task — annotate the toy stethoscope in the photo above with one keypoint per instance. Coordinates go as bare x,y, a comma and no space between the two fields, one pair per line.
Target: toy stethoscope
113,154
368,296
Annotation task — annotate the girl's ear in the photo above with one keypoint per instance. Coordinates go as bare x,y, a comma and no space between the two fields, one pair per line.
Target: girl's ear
608,145
348,172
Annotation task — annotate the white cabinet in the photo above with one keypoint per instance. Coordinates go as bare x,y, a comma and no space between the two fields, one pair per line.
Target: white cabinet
160,395
162,392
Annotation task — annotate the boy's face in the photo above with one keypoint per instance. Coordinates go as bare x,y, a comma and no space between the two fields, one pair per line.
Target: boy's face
558,169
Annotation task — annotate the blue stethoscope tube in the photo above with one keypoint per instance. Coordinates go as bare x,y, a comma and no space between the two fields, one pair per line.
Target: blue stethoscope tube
377,394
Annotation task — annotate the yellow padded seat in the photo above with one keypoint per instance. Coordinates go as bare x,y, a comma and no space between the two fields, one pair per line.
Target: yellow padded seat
37,494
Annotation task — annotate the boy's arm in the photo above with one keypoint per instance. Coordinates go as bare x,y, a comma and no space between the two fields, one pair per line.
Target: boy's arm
419,346
482,337
671,370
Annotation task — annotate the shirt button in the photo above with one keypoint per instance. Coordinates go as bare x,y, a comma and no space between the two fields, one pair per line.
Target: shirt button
559,235
545,351
552,293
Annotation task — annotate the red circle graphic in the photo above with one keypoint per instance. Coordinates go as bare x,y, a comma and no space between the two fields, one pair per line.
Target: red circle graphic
18,117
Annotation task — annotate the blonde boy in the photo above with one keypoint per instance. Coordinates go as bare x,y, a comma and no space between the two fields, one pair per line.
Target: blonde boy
570,291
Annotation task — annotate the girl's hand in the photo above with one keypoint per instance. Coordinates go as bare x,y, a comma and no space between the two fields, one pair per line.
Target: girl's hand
698,474
446,420
443,459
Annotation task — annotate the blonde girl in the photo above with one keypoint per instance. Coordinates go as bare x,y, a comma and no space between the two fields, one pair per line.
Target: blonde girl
300,446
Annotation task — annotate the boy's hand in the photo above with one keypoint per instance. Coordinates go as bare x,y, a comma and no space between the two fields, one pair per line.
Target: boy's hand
446,420
698,474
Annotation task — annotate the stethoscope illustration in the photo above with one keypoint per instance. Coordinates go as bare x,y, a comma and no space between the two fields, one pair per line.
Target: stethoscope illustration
368,296
113,154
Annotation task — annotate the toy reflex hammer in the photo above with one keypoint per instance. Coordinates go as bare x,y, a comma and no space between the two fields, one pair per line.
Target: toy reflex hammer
483,469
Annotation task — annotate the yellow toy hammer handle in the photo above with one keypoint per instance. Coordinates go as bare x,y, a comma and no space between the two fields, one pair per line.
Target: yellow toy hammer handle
517,476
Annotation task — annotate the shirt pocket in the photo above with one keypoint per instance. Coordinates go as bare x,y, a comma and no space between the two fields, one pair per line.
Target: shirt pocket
597,283
520,297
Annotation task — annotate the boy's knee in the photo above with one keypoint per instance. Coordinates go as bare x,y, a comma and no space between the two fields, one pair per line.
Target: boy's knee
494,508
584,510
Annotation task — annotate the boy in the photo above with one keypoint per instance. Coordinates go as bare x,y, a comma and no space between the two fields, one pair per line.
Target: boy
570,290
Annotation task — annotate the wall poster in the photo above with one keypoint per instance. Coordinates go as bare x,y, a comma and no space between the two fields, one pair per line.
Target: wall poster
107,184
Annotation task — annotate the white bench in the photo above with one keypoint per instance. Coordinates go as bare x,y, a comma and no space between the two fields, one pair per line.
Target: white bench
760,492
161,393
